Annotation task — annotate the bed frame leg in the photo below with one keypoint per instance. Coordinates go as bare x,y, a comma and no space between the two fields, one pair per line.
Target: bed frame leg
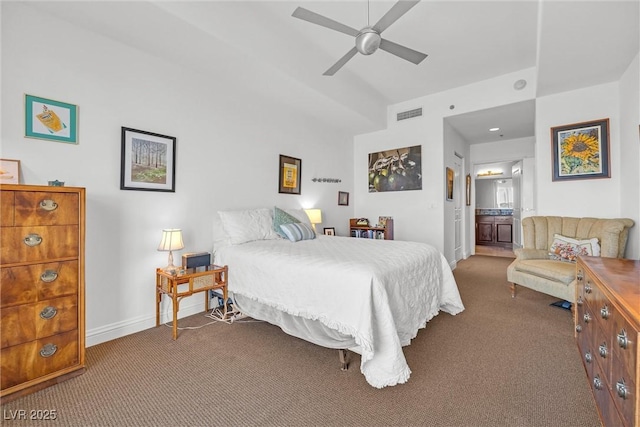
513,290
344,365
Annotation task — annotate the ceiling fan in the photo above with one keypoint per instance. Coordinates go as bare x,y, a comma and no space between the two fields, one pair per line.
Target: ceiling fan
368,39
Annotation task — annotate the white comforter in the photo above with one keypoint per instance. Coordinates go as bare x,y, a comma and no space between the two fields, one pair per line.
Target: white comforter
379,292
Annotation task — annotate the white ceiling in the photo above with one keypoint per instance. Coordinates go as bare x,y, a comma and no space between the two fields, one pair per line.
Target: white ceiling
572,43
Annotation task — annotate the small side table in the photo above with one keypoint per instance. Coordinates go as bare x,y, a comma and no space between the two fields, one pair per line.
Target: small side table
177,286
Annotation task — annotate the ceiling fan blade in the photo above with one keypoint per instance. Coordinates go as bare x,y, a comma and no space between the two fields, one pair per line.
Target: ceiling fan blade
402,51
314,18
396,11
335,67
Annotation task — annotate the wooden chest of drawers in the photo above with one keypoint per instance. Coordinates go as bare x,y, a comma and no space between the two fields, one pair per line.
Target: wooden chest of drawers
42,332
607,320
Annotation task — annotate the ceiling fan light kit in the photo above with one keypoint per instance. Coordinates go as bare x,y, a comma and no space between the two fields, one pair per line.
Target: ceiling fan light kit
368,39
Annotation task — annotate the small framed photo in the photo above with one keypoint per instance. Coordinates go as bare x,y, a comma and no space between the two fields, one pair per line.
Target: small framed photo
290,173
343,198
449,179
148,161
9,171
581,150
50,120
329,231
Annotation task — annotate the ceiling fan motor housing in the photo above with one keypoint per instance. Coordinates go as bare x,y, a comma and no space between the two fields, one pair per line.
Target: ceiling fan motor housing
367,41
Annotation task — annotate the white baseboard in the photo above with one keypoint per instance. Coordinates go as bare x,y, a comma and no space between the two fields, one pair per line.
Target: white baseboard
131,326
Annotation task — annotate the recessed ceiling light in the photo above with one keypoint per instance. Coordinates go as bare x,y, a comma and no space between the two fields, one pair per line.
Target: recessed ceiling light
520,84
494,129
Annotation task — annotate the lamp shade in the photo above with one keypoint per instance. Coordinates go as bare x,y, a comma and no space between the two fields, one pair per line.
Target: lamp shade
171,240
315,215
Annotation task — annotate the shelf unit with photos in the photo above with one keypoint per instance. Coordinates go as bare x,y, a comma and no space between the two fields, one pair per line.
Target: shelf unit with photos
381,232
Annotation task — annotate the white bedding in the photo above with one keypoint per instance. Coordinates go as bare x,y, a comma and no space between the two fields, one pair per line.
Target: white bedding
379,292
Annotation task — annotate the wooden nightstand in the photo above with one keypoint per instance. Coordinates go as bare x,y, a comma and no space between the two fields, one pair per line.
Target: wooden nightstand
178,286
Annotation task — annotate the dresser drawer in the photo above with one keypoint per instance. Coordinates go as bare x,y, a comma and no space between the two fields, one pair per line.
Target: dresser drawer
37,282
6,209
625,343
25,362
38,244
28,322
606,407
623,390
46,208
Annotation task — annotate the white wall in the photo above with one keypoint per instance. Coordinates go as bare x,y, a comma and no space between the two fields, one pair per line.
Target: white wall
228,142
630,147
424,215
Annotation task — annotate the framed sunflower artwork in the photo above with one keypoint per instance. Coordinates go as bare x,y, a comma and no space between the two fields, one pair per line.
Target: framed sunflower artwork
581,150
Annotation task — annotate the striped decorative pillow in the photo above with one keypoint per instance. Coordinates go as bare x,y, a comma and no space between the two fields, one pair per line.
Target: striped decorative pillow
298,231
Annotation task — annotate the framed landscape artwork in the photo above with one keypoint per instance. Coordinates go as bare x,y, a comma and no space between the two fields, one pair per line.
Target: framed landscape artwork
148,161
581,150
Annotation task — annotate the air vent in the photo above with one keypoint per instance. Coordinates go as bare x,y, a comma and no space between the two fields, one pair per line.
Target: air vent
409,114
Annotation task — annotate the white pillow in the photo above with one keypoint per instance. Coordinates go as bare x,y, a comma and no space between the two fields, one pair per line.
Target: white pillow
565,248
248,225
299,214
220,236
297,231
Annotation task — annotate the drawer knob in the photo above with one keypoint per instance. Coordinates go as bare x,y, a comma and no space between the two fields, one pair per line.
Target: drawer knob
603,350
578,328
48,350
32,239
597,383
588,357
587,288
49,276
586,318
579,276
621,389
623,339
579,301
48,205
48,312
604,312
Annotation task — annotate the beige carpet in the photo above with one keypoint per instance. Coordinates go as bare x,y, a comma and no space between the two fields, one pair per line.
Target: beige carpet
502,362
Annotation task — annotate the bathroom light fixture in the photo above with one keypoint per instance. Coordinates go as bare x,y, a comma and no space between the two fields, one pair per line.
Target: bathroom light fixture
489,173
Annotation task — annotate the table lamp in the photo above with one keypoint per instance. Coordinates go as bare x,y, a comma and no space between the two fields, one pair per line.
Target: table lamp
171,241
315,217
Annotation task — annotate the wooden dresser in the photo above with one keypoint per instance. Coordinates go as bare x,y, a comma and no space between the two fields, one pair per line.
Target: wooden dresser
41,287
607,322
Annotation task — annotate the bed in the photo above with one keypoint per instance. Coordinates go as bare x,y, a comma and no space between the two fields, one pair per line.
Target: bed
369,296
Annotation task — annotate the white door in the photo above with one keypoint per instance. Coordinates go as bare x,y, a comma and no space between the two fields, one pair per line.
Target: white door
458,195
516,183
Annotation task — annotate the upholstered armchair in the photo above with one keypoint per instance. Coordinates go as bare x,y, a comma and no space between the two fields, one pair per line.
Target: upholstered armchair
546,262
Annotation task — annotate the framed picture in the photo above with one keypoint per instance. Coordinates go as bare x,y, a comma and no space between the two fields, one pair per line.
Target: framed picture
581,150
468,188
290,175
399,169
343,198
329,231
51,120
148,161
449,180
9,171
